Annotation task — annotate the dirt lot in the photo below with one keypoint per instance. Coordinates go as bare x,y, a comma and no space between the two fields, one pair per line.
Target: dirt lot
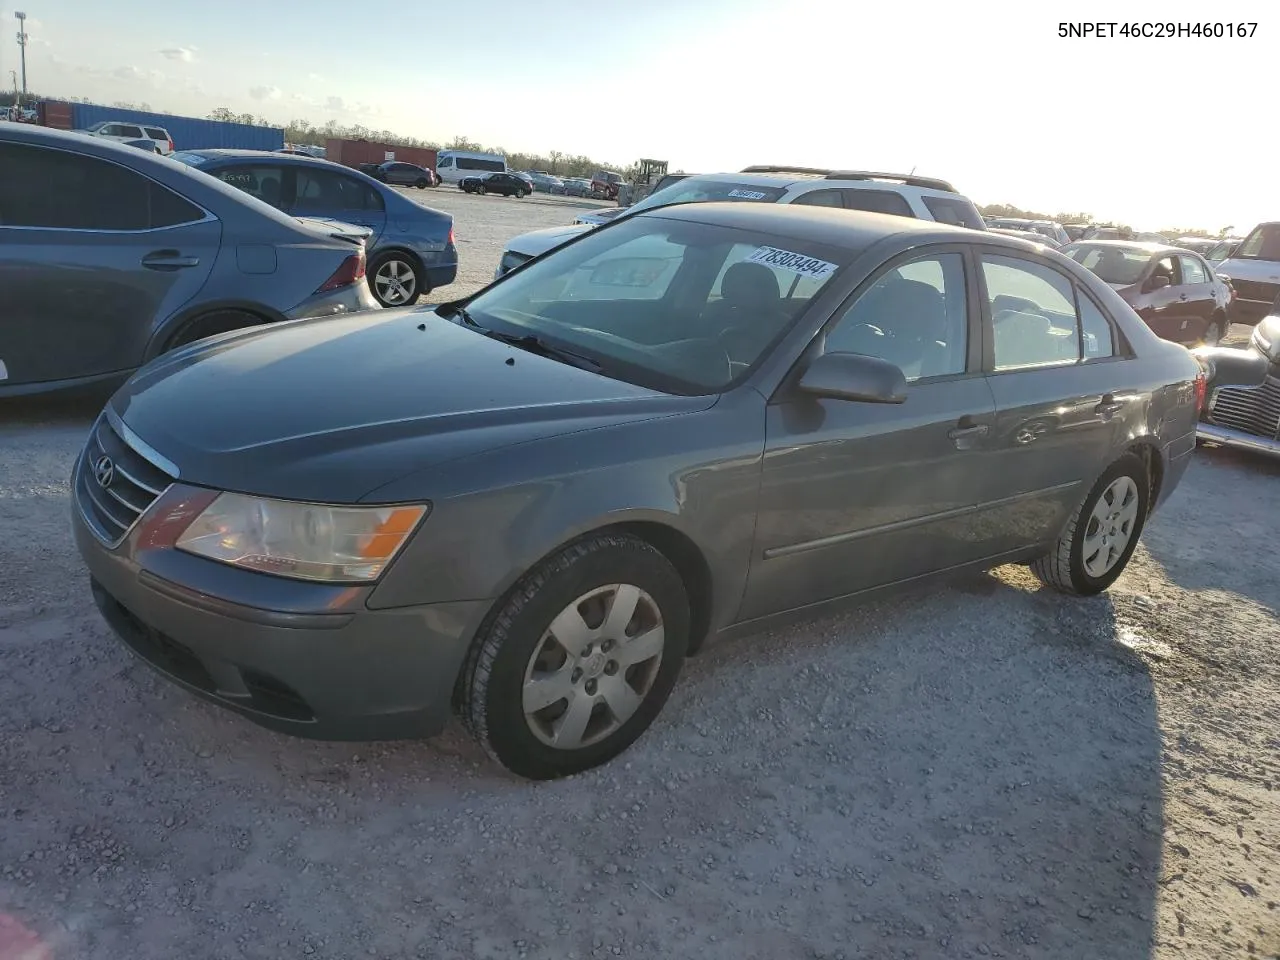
986,770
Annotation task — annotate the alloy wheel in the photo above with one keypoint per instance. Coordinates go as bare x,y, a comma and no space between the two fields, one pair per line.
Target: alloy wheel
395,283
1111,526
594,666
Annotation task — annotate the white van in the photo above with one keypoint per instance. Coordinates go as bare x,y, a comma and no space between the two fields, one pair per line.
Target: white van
453,165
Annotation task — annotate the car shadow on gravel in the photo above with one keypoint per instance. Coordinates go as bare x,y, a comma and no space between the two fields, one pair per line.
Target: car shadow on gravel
80,407
1222,542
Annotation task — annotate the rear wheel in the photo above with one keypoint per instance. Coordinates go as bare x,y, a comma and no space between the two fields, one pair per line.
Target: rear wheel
1102,533
482,190
519,193
578,659
209,325
421,184
395,279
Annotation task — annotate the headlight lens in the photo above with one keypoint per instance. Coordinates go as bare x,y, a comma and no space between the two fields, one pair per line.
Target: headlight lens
511,260
305,541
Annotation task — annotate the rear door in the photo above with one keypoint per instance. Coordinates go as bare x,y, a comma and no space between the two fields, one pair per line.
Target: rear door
1057,369
92,255
330,193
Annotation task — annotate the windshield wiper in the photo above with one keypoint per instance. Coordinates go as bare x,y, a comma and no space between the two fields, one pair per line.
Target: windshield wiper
535,344
524,341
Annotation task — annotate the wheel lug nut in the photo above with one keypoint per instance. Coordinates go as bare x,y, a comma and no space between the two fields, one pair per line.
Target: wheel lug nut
591,686
611,667
576,675
586,651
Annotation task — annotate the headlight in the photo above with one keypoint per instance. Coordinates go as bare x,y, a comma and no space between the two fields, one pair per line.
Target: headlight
510,260
306,541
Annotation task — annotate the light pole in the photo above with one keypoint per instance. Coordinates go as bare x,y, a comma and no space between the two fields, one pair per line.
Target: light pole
22,46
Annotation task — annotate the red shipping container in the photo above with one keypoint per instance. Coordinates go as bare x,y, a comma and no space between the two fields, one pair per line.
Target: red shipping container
352,153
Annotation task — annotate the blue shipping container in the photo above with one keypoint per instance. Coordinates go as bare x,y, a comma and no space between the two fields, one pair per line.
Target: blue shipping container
189,133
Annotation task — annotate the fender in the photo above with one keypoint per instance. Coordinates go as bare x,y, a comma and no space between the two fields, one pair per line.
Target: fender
173,323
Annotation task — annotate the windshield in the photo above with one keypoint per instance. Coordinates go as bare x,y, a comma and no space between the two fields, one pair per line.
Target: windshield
682,307
190,159
1220,251
1118,265
704,190
97,126
1262,244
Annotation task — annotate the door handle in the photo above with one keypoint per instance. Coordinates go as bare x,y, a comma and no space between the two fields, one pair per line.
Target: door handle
168,260
1109,405
964,432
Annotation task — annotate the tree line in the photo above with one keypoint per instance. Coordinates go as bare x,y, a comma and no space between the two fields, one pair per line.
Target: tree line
1009,210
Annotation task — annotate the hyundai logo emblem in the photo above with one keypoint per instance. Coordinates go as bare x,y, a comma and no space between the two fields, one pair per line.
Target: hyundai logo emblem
104,471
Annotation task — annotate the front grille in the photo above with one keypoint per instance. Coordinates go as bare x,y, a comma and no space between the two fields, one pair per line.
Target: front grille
1253,410
1255,289
132,486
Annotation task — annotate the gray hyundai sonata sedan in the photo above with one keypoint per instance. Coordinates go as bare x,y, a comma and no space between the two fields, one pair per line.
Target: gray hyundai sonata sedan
529,506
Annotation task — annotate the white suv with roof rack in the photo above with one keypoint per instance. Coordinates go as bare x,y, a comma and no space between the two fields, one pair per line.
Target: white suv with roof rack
905,195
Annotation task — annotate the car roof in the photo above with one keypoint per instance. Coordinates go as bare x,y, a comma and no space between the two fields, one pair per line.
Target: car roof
852,229
1145,246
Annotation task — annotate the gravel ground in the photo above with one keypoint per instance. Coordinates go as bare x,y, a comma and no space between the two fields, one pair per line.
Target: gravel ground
985,770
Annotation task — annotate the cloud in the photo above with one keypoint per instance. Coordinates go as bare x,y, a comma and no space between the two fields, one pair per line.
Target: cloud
335,104
129,73
266,93
185,54
315,78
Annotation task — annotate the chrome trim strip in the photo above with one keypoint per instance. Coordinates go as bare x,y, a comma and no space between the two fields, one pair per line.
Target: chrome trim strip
1237,438
141,447
774,553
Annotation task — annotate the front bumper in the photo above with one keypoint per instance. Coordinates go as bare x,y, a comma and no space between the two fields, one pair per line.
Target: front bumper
353,298
1237,439
307,659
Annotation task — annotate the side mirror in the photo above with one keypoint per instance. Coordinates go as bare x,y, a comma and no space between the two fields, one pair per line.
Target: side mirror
1157,283
851,376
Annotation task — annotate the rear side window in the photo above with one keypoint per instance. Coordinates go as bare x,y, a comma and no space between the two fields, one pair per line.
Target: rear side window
819,198
1033,314
878,201
1262,244
60,190
1098,338
131,131
155,133
319,191
954,210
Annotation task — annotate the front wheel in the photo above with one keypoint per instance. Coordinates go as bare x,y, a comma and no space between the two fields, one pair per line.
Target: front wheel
578,659
1102,533
482,189
519,194
420,184
1217,329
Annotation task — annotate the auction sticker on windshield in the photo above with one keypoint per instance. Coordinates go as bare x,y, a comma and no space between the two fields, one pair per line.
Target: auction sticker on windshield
794,262
747,194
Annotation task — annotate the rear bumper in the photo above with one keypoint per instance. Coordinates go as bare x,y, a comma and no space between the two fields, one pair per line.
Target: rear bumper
440,274
352,298
1237,439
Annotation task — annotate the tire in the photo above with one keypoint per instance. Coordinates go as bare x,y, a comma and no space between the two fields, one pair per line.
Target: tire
209,325
519,194
1218,328
513,646
395,279
1074,566
421,184
482,189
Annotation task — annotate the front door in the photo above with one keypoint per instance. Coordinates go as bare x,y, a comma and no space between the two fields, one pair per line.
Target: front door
1165,308
856,495
96,254
1200,303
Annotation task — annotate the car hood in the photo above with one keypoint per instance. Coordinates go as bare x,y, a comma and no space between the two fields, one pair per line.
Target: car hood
329,410
540,241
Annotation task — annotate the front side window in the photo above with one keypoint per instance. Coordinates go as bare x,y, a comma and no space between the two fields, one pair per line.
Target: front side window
60,190
914,316
1192,270
447,163
264,182
1262,244
318,191
1033,313
681,307
1167,267
134,133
